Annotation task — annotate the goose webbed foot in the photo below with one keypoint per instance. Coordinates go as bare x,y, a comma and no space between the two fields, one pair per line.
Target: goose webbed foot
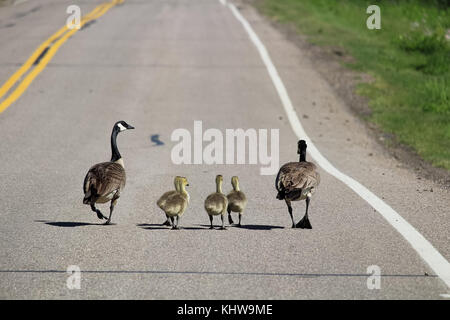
304,223
176,228
223,228
167,223
230,219
107,222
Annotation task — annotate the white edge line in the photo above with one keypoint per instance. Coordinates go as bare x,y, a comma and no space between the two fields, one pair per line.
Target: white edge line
423,247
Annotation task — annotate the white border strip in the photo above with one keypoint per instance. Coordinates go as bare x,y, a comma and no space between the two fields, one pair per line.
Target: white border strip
423,247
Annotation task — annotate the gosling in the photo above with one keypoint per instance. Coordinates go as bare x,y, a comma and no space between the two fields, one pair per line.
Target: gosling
237,201
216,203
175,202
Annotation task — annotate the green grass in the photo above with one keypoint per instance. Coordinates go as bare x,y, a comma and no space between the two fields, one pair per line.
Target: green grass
5,2
409,58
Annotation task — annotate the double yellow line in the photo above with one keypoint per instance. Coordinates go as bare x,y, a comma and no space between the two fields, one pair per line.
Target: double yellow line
52,45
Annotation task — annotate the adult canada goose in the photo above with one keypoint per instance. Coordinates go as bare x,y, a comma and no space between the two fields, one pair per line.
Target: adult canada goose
237,201
104,181
298,181
216,203
175,202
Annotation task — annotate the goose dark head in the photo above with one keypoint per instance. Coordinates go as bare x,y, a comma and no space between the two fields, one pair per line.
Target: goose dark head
121,125
301,150
301,146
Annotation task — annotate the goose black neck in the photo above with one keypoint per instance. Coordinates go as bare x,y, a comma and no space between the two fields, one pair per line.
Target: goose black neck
302,154
115,154
303,157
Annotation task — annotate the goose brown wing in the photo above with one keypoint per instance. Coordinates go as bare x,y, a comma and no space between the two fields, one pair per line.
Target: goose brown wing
297,175
104,178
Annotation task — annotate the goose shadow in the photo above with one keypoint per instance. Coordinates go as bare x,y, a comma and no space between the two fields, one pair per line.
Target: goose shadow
247,226
157,226
257,227
152,226
70,224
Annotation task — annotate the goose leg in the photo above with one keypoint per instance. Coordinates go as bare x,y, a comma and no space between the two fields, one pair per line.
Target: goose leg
288,203
304,223
240,216
173,221
230,219
167,222
111,208
175,226
98,212
211,220
223,226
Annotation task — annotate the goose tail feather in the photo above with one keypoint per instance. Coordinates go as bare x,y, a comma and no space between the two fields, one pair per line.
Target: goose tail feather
280,195
89,195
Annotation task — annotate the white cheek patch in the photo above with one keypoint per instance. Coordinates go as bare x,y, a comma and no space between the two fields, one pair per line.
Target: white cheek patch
121,127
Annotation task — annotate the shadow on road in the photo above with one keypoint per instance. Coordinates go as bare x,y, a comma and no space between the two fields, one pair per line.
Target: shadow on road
70,224
156,226
246,226
258,227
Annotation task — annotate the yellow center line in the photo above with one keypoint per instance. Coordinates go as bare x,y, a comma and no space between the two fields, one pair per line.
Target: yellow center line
58,40
29,63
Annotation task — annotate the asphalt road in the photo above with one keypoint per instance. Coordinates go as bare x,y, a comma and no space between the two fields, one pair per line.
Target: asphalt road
161,65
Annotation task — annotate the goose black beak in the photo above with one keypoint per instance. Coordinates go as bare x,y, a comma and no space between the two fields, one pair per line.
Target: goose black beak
130,127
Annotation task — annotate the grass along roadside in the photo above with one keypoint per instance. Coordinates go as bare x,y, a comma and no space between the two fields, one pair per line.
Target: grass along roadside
409,60
5,2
